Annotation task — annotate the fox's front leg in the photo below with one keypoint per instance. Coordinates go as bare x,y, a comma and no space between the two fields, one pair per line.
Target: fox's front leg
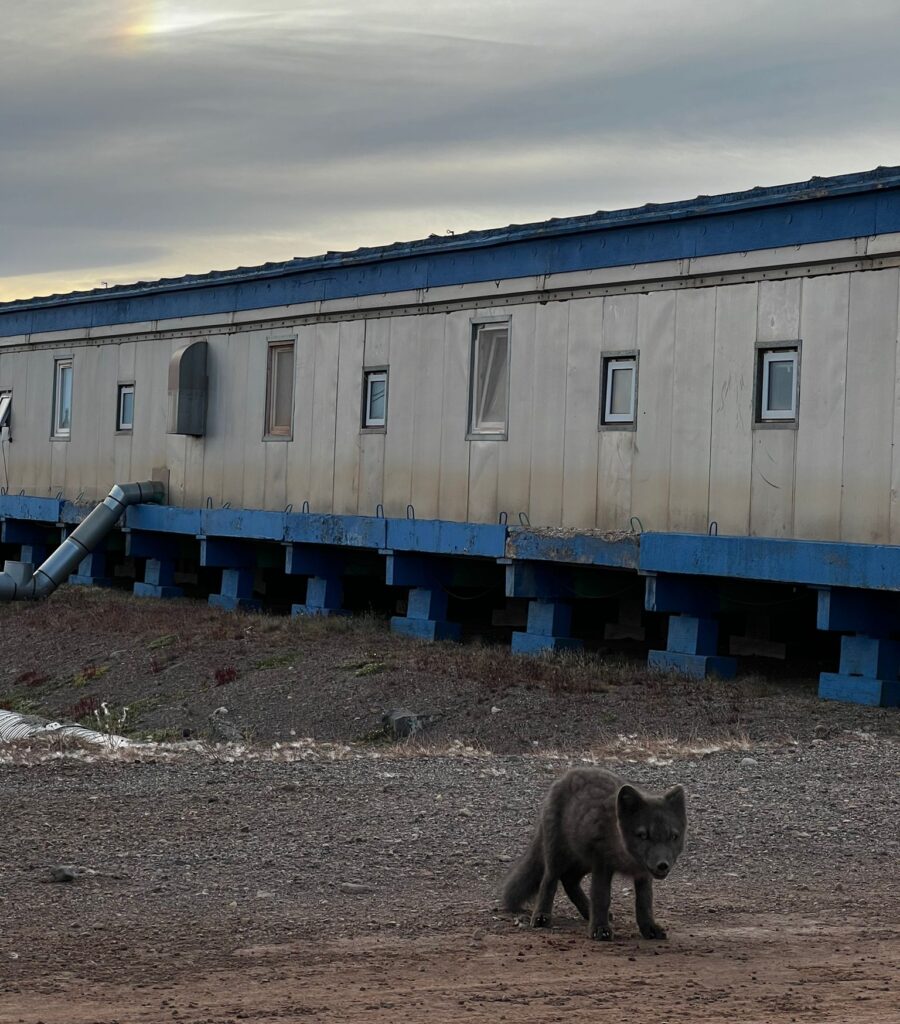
643,909
601,885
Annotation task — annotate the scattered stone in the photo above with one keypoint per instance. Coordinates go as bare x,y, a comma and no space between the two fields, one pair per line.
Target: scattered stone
821,731
401,722
290,787
466,812
749,762
355,888
221,729
495,710
62,873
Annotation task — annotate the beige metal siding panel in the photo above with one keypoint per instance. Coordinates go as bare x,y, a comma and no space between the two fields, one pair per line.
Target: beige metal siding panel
484,472
399,437
548,413
427,397
377,345
299,454
616,447
772,481
820,425
252,418
869,415
732,408
219,374
692,388
121,443
514,454
321,483
652,441
454,499
582,412
14,371
349,417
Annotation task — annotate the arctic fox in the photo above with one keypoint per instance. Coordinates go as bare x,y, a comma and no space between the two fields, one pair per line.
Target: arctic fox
593,821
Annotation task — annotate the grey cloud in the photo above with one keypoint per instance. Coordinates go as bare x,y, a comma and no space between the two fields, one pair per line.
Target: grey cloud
116,154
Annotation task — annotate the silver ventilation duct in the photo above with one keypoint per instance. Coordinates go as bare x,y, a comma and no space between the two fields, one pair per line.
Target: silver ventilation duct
19,583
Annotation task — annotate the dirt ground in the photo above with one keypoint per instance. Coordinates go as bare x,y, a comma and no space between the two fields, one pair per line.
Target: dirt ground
346,878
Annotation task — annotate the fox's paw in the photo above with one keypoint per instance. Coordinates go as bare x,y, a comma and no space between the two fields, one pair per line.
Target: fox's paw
602,934
653,931
540,920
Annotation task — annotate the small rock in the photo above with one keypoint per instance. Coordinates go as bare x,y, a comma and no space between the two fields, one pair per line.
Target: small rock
401,722
821,731
62,873
221,729
495,710
466,812
355,888
290,787
749,762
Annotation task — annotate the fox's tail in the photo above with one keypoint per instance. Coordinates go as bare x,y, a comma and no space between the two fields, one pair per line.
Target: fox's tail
525,878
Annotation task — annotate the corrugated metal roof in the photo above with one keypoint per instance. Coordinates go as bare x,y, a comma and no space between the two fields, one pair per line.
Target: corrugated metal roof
700,206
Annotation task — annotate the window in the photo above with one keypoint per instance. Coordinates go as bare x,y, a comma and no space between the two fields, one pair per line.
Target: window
489,380
619,390
5,405
125,414
375,398
280,390
62,398
776,384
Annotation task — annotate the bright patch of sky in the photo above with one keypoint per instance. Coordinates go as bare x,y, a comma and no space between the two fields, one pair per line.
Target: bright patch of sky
162,137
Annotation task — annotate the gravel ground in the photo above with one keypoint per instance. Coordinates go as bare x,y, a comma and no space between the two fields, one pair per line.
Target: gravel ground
215,891
348,878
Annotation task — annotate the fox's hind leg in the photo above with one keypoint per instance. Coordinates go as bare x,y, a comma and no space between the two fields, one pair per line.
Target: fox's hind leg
543,905
571,881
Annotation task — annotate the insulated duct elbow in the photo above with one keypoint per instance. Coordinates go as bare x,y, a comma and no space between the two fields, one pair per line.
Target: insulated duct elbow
80,543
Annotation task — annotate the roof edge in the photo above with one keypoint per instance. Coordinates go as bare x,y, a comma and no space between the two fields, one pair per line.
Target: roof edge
880,178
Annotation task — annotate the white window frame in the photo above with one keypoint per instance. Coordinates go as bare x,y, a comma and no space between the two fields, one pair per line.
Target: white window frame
5,407
778,355
491,430
610,365
273,431
60,432
371,422
121,425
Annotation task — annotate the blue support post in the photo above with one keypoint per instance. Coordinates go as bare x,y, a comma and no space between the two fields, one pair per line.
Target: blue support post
324,596
549,618
693,636
549,627
324,566
159,579
426,609
237,560
870,663
92,571
236,591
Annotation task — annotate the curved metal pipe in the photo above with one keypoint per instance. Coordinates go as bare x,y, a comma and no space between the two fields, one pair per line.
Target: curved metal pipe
80,543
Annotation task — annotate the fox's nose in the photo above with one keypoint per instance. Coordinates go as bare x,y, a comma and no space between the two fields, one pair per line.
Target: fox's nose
662,868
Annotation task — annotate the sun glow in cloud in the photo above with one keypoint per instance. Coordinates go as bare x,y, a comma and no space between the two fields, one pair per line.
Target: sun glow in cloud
159,18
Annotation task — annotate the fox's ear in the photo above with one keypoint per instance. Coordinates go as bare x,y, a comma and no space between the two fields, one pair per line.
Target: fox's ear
674,797
629,800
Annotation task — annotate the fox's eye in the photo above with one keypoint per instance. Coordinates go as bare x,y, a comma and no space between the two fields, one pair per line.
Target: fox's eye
673,836
640,833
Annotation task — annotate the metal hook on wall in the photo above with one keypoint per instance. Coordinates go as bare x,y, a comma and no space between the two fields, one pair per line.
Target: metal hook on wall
640,525
410,512
379,511
713,529
502,519
523,519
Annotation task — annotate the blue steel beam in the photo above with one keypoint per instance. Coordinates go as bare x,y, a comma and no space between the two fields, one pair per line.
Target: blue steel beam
572,548
442,537
808,562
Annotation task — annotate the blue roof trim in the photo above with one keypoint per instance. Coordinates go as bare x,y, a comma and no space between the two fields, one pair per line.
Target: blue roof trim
820,210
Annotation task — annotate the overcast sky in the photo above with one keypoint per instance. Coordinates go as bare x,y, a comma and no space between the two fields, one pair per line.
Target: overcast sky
141,140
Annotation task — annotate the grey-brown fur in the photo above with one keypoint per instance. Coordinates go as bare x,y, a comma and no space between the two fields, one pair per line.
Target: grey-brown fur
593,822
